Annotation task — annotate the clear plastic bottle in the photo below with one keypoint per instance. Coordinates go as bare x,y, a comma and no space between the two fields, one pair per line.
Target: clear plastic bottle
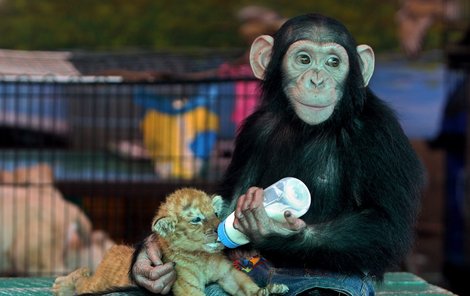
286,194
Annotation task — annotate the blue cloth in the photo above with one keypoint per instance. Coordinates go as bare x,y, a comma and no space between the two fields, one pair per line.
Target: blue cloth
302,280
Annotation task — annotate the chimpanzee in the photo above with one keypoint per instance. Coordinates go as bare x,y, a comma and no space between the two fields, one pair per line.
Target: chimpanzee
319,122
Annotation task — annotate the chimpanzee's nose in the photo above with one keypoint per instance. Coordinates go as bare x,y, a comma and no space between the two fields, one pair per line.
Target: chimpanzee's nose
316,80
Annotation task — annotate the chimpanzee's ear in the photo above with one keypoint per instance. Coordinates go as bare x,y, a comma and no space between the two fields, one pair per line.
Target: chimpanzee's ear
366,54
260,55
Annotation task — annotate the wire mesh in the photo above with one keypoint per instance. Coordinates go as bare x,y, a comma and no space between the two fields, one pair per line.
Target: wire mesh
85,161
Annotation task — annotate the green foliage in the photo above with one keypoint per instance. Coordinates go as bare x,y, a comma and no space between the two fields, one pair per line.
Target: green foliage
163,24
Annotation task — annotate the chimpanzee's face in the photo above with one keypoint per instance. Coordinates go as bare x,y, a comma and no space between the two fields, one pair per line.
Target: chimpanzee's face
314,76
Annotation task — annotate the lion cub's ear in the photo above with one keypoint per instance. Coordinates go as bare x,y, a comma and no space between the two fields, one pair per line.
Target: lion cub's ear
164,226
217,204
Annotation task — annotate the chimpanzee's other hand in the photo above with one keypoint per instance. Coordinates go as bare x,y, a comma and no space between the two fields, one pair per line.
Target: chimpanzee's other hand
150,272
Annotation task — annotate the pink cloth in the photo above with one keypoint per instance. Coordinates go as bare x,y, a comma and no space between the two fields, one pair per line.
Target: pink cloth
246,92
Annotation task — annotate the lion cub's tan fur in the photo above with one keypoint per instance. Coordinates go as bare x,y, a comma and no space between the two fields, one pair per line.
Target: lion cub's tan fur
185,223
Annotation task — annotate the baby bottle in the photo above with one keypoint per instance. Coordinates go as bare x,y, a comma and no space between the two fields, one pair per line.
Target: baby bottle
286,194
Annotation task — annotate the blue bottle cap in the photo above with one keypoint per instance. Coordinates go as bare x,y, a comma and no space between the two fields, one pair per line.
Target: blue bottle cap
223,237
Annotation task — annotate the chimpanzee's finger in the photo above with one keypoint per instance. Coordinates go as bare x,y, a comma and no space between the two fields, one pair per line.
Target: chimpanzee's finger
153,251
294,223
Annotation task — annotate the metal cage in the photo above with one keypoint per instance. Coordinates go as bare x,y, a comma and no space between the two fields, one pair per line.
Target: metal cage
109,148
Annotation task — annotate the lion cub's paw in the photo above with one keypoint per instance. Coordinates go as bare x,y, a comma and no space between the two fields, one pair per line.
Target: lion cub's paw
274,289
65,285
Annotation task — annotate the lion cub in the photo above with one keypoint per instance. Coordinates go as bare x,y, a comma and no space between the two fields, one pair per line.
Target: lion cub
186,225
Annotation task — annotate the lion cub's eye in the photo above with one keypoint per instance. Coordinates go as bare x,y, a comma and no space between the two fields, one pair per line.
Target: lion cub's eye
196,220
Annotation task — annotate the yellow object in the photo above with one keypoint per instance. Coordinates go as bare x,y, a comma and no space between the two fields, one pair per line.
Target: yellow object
168,139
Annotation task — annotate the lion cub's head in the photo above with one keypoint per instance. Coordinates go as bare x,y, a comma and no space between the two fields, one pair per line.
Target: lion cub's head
187,220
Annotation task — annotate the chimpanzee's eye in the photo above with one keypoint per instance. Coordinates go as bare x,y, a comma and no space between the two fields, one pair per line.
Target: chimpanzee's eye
332,62
303,59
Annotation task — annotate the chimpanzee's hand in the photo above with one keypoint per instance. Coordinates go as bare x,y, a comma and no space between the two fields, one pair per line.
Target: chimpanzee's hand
251,218
149,270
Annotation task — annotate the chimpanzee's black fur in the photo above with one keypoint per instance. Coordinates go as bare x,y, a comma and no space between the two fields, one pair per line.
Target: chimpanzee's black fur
364,176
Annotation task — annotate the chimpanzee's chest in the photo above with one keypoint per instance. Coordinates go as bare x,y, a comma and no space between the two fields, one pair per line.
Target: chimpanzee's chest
316,164
319,166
